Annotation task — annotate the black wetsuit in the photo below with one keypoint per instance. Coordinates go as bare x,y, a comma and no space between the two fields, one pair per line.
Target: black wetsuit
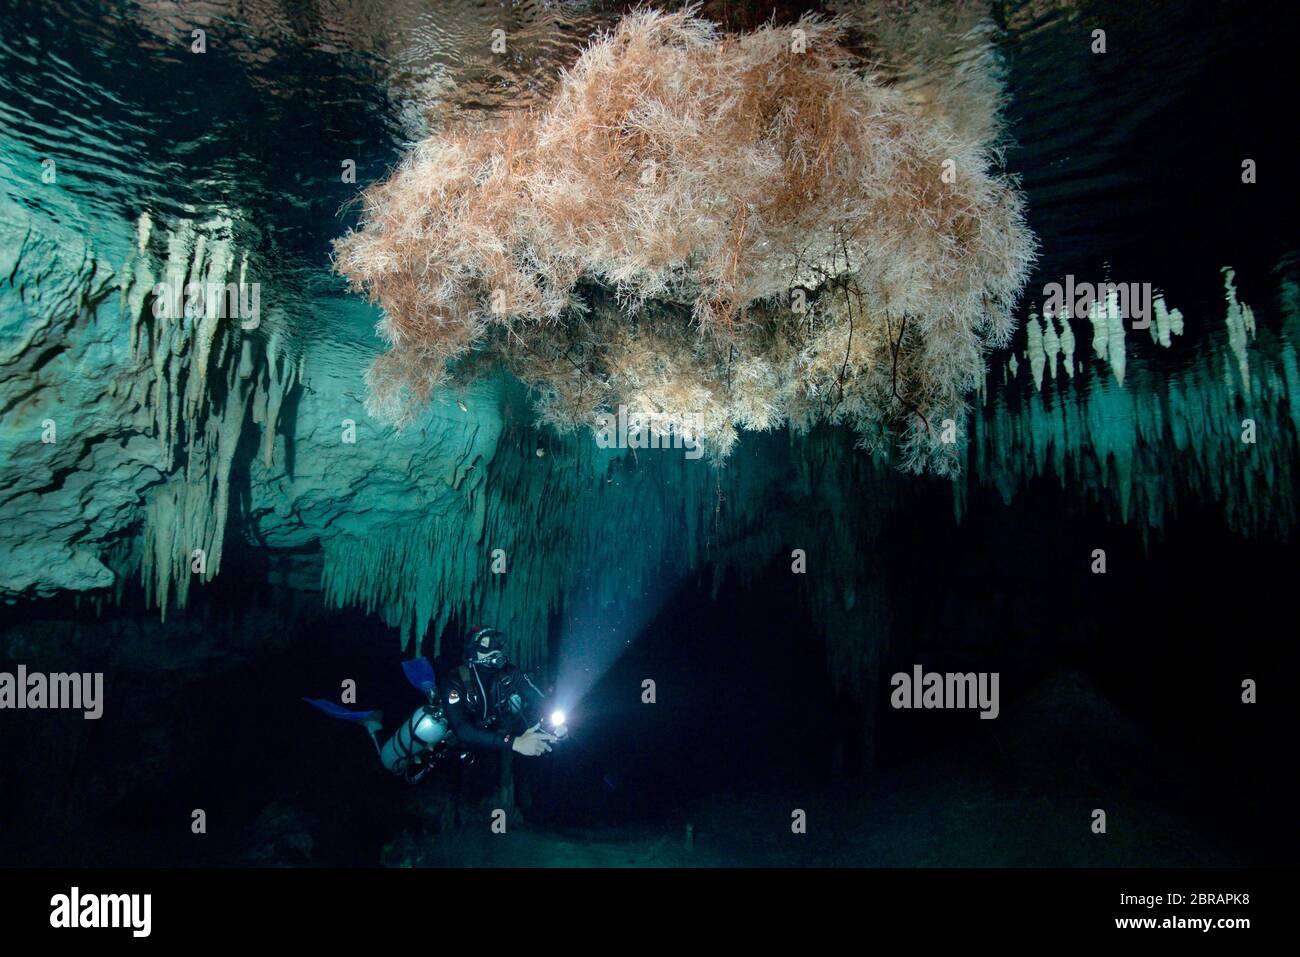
487,707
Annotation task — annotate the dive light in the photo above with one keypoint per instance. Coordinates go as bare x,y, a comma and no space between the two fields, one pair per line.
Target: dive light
556,724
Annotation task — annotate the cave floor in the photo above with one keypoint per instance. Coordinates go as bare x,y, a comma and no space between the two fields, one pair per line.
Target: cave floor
1021,796
925,817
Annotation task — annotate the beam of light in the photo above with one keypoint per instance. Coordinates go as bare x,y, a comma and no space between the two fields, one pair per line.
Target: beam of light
600,626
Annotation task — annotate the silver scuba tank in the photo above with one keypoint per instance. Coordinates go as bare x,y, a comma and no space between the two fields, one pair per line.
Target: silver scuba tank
416,736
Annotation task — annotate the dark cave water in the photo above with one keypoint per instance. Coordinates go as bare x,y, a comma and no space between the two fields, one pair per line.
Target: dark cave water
747,725
1119,690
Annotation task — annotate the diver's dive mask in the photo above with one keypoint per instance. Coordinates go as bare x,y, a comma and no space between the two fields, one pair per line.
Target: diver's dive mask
485,648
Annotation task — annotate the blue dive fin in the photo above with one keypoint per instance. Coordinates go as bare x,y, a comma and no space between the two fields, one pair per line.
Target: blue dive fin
419,673
373,720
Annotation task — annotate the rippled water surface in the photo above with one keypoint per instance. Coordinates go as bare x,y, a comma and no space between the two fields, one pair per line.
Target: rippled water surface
1130,160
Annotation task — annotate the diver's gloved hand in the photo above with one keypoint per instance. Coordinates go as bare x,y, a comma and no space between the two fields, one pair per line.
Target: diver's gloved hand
533,742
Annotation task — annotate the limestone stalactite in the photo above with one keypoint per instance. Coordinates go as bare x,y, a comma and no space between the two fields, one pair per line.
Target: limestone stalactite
205,367
1222,429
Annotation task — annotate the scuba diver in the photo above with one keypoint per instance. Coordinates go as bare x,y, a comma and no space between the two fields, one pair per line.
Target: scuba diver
489,705
489,702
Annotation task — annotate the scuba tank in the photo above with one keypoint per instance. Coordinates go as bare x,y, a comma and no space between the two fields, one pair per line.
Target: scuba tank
408,751
412,751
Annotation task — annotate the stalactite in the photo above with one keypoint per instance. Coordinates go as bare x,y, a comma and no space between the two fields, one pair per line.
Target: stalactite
1114,319
574,523
1240,320
1168,323
1144,451
1067,347
1051,346
279,379
200,371
1034,350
